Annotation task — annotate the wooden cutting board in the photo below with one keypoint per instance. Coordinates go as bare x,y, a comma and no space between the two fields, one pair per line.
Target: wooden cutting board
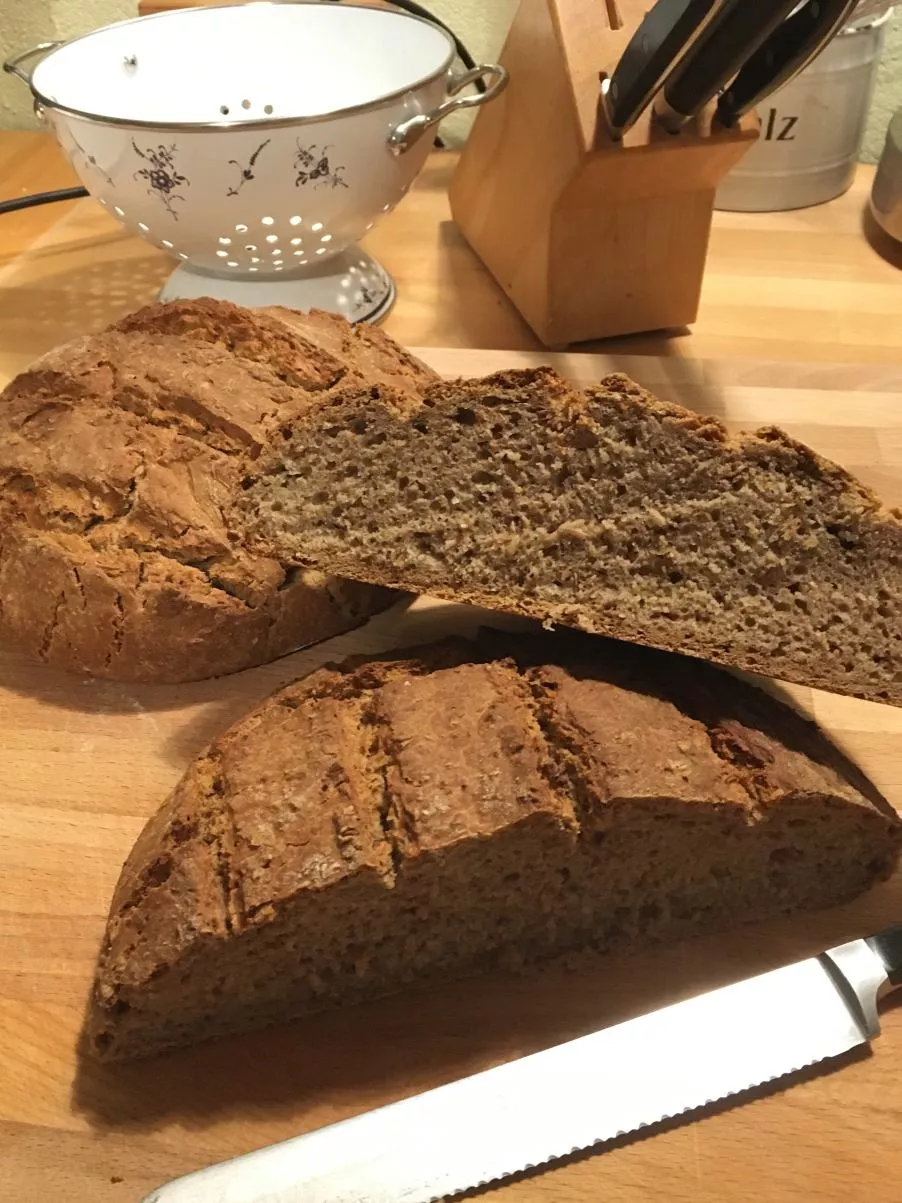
85,762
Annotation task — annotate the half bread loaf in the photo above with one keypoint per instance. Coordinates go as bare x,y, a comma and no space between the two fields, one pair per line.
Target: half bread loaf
426,816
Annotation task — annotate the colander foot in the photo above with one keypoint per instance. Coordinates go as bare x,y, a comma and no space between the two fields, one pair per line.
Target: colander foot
351,283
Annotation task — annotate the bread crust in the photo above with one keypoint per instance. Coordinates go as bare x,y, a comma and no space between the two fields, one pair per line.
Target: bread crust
543,792
118,455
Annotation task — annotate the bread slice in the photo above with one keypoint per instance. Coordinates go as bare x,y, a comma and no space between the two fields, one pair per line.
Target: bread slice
463,805
117,455
605,510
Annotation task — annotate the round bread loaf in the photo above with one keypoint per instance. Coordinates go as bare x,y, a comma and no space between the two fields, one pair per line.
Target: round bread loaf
118,454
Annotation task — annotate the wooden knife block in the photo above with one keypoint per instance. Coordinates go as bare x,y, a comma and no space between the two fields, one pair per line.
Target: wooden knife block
588,236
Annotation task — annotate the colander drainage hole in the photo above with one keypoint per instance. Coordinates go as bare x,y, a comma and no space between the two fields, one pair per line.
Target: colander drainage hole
267,108
225,242
224,109
167,244
241,228
320,250
268,221
245,104
231,263
294,221
143,227
117,210
250,247
317,225
223,254
272,237
296,241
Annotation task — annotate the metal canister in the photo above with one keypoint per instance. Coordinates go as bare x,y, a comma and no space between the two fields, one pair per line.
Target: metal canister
811,130
886,194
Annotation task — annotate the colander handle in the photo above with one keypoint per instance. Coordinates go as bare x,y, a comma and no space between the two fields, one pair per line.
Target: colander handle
11,65
403,136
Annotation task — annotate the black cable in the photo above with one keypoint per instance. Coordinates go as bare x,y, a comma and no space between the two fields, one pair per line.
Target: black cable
417,10
408,6
42,198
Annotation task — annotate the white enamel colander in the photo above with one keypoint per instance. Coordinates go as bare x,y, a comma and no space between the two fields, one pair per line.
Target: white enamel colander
256,143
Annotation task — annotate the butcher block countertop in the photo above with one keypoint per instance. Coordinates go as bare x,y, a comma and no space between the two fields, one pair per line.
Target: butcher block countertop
816,284
83,763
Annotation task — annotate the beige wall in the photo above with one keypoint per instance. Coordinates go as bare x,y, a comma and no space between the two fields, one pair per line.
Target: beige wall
26,22
481,24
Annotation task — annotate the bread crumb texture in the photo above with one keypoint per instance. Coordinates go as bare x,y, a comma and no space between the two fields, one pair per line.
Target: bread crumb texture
602,509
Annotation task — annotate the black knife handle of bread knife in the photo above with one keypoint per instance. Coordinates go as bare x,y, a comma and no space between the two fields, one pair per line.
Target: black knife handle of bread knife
786,52
728,42
888,947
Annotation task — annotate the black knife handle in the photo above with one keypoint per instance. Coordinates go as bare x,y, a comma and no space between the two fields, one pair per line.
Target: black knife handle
888,947
728,42
658,43
788,51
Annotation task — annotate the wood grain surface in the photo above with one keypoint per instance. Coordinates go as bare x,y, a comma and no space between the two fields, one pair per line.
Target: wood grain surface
85,762
816,284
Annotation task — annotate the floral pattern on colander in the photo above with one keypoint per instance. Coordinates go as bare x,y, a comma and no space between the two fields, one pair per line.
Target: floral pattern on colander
161,174
314,167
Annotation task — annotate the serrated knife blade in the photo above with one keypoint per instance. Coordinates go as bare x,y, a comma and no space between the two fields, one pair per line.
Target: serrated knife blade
569,1098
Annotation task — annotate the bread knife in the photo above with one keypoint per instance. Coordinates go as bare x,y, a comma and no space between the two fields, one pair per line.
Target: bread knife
666,32
737,31
545,1106
786,52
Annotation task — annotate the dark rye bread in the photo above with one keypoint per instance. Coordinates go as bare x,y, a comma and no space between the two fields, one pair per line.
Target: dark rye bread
118,453
465,805
605,510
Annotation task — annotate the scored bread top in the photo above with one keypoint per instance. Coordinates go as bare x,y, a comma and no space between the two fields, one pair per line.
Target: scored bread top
373,767
118,454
